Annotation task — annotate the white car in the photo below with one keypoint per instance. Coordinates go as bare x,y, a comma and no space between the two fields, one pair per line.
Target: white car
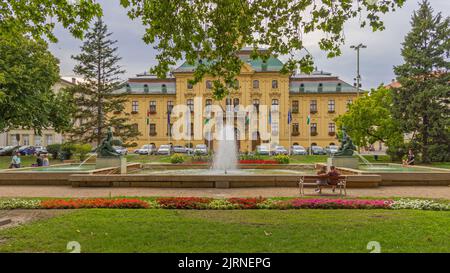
262,150
146,150
164,150
201,149
179,149
332,149
121,150
280,150
298,150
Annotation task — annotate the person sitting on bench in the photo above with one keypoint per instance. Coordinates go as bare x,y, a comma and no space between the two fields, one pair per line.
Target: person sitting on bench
322,181
333,177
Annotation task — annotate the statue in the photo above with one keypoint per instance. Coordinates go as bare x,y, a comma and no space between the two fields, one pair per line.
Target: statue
105,149
347,146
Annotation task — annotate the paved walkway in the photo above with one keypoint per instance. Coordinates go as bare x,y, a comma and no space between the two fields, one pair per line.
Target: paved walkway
67,191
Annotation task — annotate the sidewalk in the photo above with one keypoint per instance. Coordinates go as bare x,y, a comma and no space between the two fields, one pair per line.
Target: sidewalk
67,191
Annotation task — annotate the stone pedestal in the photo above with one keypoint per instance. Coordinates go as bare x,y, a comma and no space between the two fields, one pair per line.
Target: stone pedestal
343,161
109,162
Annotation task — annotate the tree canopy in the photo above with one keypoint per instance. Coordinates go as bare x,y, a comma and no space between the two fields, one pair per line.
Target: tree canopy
215,31
421,104
369,119
29,72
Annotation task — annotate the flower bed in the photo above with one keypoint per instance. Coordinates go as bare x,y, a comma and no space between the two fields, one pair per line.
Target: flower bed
257,161
223,204
94,203
184,202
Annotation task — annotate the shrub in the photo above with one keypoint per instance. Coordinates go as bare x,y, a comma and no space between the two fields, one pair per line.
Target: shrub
337,204
82,150
282,159
419,204
94,203
184,202
247,203
54,150
19,204
67,150
176,159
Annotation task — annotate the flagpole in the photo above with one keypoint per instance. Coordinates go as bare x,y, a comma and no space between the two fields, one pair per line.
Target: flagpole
289,125
309,133
148,127
169,130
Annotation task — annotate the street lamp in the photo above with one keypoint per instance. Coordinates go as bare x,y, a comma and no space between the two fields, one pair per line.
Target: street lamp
358,76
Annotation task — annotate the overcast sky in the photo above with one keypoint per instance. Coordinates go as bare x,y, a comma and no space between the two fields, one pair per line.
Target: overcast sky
377,60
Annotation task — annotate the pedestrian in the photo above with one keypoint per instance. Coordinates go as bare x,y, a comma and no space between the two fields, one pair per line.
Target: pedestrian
15,161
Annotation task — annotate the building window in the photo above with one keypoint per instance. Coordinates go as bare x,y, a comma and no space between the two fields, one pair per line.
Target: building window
295,106
128,88
26,140
295,129
146,88
331,106
301,88
255,84
15,139
134,106
49,139
235,103
208,84
338,87
37,140
236,84
189,85
314,129
169,106
152,129
208,105
152,107
349,102
274,84
169,129
331,129
256,104
275,104
320,87
163,88
190,104
313,106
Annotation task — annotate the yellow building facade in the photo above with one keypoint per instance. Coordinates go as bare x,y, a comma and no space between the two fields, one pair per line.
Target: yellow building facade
319,95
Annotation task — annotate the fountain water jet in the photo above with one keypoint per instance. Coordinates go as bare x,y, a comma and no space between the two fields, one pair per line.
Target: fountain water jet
225,158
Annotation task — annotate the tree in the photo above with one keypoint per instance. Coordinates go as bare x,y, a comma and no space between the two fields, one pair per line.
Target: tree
369,120
32,17
421,104
215,31
95,98
27,100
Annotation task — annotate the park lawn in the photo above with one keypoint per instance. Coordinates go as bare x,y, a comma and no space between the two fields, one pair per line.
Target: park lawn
103,230
27,161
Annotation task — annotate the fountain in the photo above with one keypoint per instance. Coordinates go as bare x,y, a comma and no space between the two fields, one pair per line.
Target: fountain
226,157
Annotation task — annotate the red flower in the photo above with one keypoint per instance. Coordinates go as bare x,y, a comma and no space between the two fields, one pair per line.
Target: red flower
184,202
93,203
247,203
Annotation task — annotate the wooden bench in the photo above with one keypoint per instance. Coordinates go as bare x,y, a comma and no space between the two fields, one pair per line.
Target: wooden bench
340,182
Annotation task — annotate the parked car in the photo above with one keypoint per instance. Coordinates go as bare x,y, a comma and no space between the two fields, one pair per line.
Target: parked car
332,149
27,150
262,150
317,150
280,150
146,149
189,151
179,149
298,150
8,150
41,150
201,149
164,150
121,150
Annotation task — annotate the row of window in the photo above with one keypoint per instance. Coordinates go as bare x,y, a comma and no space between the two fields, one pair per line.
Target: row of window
235,102
209,85
17,139
314,130
147,89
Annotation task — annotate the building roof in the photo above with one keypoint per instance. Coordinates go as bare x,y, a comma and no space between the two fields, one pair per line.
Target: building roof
310,83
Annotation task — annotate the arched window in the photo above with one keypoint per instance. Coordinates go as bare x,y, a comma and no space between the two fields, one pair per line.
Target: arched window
302,88
275,104
339,87
189,85
320,87
128,88
164,88
208,84
145,88
256,104
190,104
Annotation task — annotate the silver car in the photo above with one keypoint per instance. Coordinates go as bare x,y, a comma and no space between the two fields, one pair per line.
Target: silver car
262,150
164,150
146,149
120,150
280,150
298,150
201,149
179,149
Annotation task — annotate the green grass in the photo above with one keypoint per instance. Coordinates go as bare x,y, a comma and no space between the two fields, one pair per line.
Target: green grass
102,230
27,161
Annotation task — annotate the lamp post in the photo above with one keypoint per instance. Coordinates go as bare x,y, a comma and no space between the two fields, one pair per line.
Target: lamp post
358,76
